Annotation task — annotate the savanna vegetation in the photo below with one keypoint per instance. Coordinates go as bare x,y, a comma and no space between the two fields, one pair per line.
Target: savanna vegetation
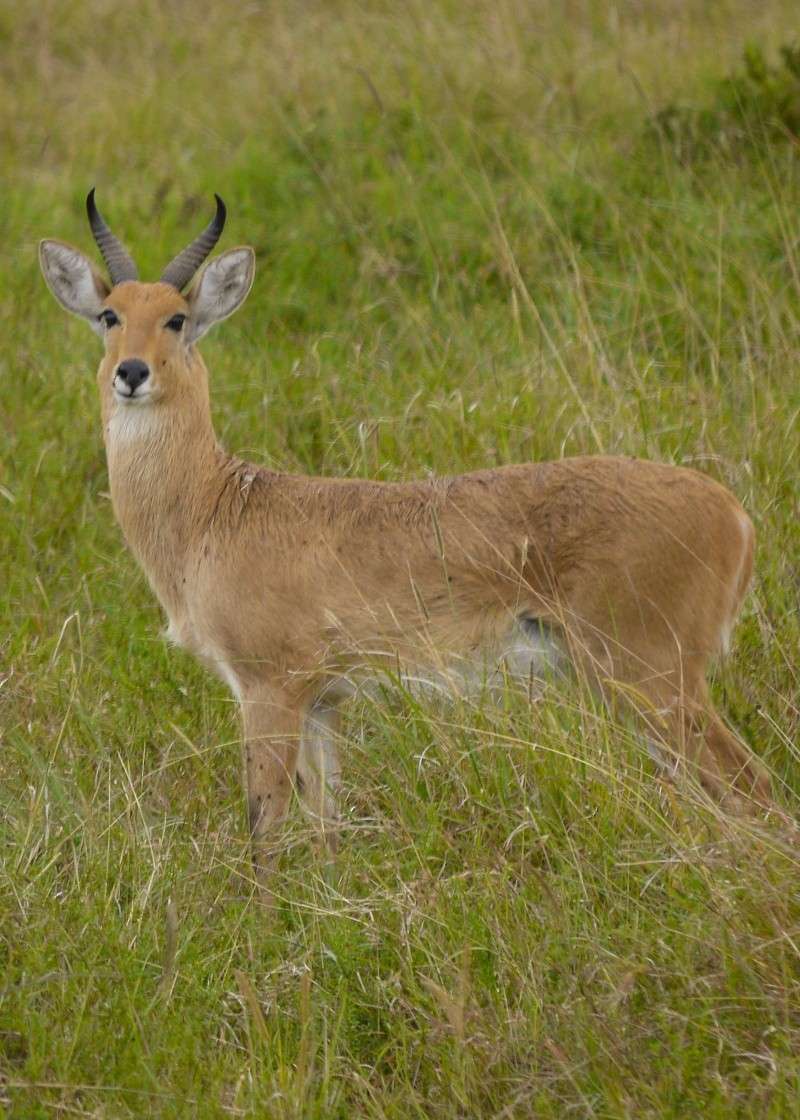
486,232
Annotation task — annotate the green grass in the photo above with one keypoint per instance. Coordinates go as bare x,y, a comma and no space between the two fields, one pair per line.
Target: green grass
473,249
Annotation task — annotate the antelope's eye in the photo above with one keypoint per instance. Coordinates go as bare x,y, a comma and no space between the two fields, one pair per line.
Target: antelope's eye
175,323
108,318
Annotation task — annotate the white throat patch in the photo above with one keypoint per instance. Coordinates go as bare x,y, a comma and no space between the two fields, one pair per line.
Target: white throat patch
132,423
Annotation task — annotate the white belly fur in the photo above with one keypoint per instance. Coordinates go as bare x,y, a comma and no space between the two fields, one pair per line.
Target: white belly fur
530,655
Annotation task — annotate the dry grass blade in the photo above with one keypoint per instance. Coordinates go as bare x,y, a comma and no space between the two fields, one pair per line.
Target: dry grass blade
170,946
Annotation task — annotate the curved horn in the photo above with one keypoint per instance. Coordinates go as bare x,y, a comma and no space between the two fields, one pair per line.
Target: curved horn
180,270
118,261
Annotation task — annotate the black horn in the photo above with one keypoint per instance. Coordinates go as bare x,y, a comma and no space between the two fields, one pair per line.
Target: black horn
180,271
118,260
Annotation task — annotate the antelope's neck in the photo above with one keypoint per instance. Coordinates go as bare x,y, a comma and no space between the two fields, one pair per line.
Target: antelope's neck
164,471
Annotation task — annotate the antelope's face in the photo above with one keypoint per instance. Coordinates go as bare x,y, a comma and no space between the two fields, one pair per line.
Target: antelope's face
149,330
147,358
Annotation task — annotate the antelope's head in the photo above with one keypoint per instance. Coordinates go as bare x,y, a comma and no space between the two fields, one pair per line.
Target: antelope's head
149,329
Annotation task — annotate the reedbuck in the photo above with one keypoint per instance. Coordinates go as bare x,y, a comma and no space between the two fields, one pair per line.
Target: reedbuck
293,588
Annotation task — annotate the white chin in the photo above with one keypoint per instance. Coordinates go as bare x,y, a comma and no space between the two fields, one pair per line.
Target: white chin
125,398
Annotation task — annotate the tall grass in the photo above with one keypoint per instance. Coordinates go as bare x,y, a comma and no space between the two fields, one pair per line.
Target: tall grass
474,247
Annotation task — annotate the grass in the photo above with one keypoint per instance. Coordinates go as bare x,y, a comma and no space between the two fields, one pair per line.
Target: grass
474,248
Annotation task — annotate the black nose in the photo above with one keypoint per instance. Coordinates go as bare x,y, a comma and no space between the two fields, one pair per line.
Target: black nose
133,371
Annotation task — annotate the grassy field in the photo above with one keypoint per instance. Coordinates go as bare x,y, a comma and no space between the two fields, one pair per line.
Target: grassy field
486,232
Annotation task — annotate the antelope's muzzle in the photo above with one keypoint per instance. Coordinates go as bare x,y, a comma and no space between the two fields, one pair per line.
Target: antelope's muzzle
129,375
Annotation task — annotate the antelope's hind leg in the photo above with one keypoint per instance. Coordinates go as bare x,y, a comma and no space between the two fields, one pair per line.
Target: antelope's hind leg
726,767
669,696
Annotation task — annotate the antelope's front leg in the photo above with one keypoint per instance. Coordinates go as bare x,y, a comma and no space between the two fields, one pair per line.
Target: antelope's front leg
272,723
319,773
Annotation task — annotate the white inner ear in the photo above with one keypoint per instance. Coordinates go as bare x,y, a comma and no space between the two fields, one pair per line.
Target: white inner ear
72,280
222,287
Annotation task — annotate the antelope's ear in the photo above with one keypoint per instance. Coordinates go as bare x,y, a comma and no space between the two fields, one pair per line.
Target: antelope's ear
221,287
73,280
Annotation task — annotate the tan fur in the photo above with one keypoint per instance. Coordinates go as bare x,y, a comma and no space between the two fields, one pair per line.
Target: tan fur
287,585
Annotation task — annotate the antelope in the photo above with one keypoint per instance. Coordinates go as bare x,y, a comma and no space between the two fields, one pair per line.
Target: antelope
294,589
